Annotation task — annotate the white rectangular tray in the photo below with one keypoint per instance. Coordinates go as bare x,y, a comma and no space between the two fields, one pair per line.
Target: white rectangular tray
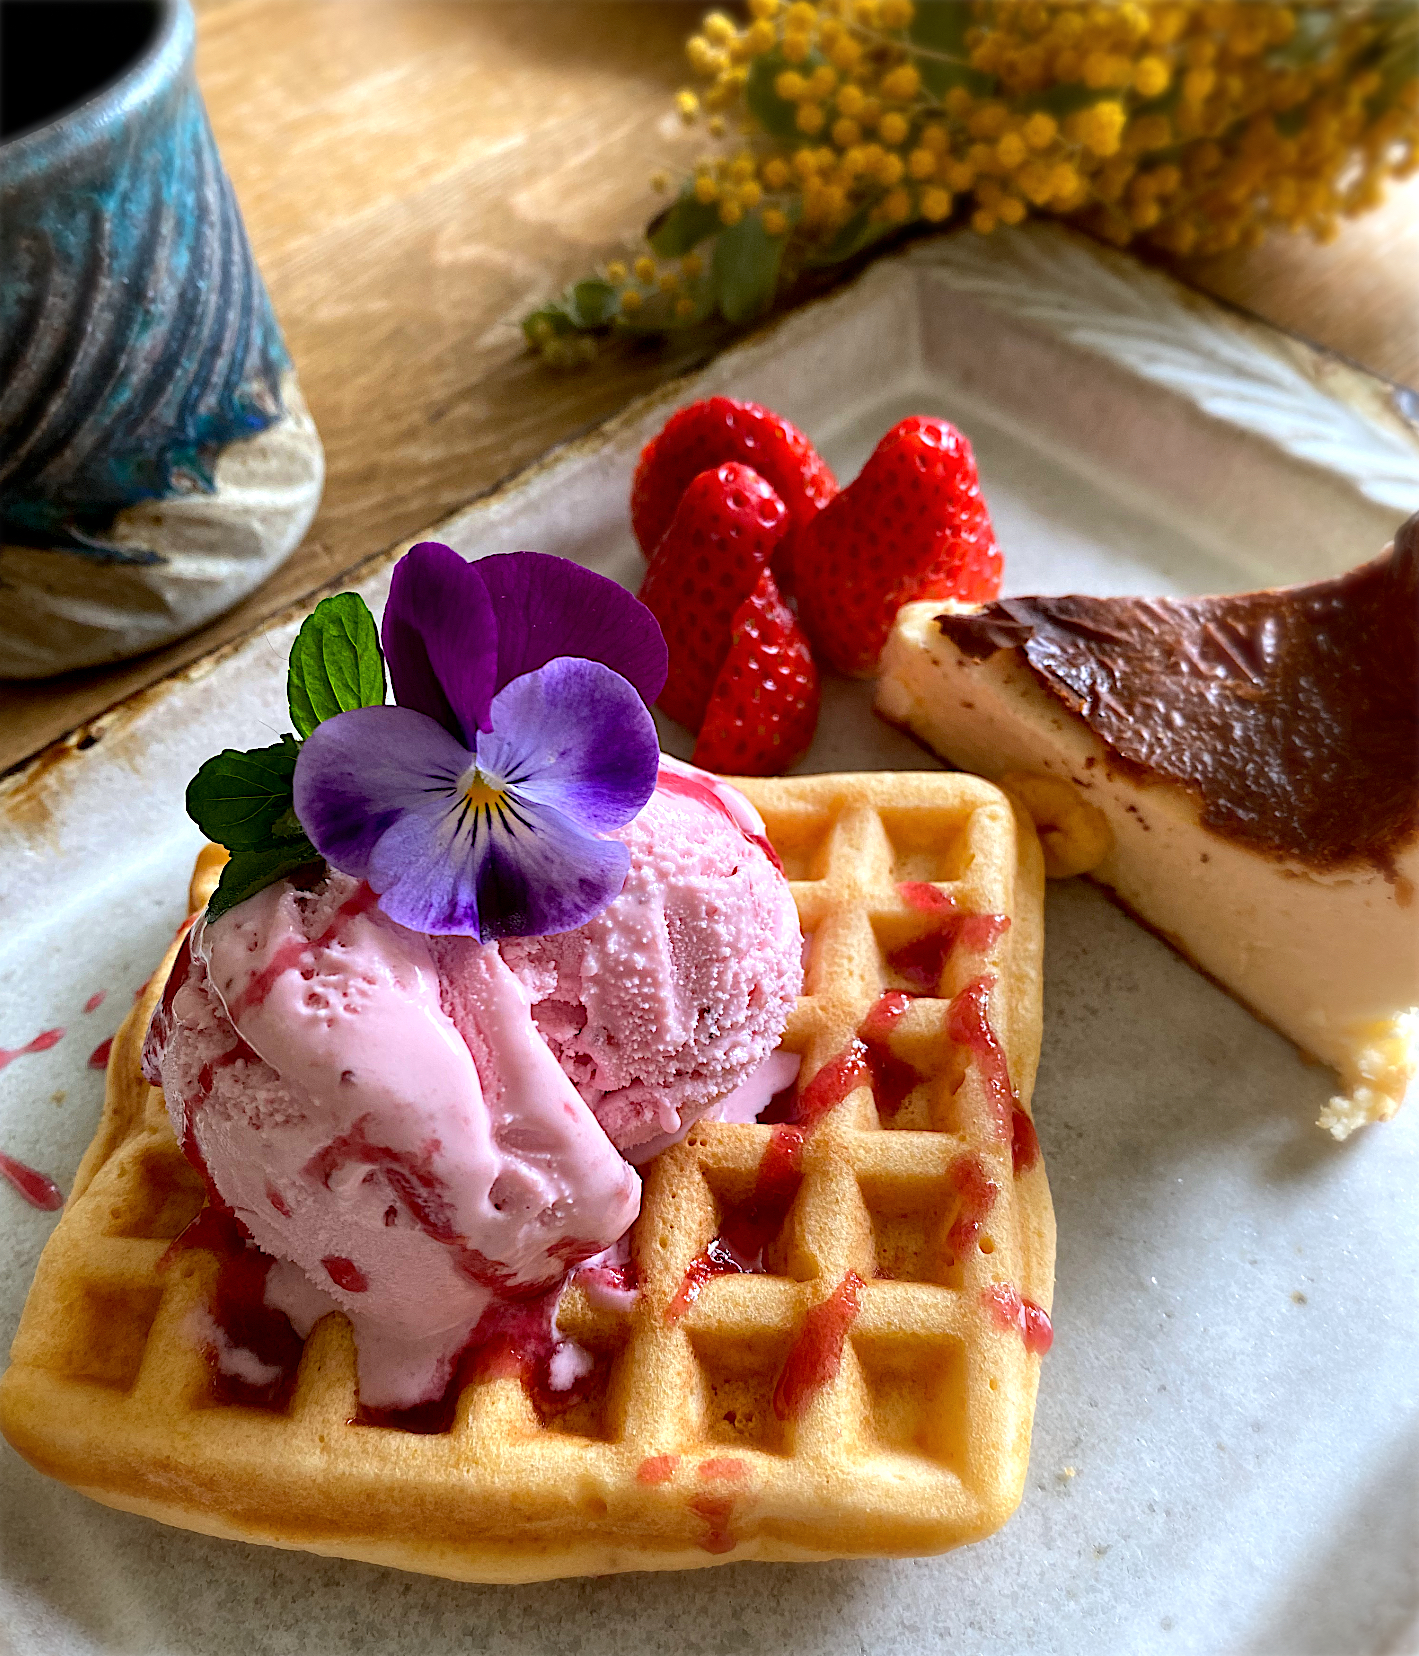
1226,1448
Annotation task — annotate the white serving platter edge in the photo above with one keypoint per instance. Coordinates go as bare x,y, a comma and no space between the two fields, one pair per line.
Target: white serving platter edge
1226,1447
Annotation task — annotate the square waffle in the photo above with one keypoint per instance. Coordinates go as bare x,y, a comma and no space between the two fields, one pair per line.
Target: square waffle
866,1387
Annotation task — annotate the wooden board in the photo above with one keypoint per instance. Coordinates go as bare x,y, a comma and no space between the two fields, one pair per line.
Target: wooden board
416,174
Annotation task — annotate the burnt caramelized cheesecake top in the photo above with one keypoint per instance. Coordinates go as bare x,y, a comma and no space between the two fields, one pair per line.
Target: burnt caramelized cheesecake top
1291,714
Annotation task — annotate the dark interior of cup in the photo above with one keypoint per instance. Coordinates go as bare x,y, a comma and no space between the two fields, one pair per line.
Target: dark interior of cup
55,55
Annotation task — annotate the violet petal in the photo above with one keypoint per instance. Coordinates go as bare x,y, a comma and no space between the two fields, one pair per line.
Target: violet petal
383,794
360,772
576,737
440,639
505,869
548,607
539,872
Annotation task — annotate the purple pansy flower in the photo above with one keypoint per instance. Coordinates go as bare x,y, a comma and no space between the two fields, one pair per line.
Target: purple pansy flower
521,736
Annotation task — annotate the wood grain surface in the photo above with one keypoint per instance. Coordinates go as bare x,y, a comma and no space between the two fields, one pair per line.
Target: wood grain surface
416,174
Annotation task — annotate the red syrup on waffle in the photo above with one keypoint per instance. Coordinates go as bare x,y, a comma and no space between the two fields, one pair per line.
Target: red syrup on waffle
240,1316
746,1228
922,960
892,1077
513,1340
1008,1310
816,1355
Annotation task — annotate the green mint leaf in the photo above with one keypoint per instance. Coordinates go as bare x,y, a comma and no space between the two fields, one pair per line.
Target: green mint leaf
336,662
237,799
251,871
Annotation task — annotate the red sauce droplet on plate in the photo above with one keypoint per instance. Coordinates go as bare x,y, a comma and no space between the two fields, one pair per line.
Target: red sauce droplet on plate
41,1043
98,1058
37,1188
95,1001
1009,1310
816,1355
968,1025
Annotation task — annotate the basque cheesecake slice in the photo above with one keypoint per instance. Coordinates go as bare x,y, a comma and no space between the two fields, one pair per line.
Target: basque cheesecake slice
1243,772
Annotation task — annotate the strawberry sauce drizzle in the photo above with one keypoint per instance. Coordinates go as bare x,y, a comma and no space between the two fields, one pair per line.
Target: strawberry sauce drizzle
41,1043
723,1469
922,960
976,1192
816,1355
657,1469
512,1341
238,1308
1009,1310
98,1058
716,1510
1024,1141
968,1025
37,1188
344,1273
841,1075
892,1077
747,1228
717,1260
289,956
95,1001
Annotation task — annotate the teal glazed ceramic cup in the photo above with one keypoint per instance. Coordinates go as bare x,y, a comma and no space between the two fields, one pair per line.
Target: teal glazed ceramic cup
157,461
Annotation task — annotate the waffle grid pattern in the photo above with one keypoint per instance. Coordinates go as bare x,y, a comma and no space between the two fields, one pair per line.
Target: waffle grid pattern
676,1457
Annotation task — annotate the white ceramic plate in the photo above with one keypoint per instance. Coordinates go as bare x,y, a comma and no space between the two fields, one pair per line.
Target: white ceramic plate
1226,1447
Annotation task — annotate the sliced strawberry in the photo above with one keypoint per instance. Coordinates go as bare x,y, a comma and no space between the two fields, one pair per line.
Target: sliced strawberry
708,433
912,524
709,560
764,709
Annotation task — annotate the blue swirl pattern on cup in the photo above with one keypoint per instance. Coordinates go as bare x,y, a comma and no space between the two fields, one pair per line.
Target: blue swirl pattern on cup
136,336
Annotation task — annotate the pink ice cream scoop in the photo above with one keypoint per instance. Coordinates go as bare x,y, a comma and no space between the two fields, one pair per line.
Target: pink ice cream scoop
415,1150
420,1128
674,997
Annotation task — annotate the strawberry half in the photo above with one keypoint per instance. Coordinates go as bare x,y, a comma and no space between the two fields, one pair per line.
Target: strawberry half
724,531
764,709
705,435
912,524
